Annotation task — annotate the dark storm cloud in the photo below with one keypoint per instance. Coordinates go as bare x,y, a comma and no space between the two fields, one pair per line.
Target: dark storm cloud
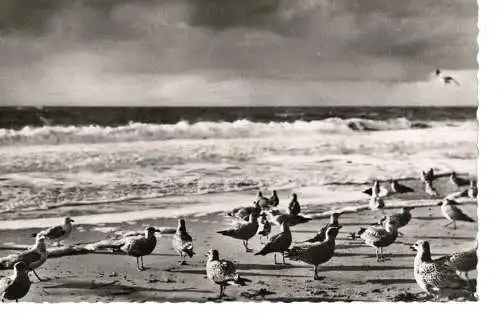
389,41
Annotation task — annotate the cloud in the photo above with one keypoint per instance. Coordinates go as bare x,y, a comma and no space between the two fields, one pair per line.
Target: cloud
381,44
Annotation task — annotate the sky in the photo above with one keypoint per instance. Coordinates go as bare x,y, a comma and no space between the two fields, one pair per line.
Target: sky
237,52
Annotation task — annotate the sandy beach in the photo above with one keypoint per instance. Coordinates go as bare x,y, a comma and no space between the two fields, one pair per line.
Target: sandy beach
351,275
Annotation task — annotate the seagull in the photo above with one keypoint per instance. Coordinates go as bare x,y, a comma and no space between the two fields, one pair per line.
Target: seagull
277,218
315,253
264,228
274,200
430,189
453,213
139,246
17,285
457,181
34,257
463,261
446,79
400,219
400,188
278,243
427,176
245,212
57,233
223,272
182,242
435,277
321,235
376,203
379,237
374,190
243,231
472,190
262,201
294,206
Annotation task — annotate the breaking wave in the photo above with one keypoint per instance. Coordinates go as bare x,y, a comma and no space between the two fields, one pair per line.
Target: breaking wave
200,130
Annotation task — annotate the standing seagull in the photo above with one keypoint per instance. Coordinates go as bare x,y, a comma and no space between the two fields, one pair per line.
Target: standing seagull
34,257
243,231
58,233
182,242
262,201
430,189
223,272
463,261
379,237
453,213
321,235
446,79
435,277
17,285
400,188
264,227
400,219
274,200
427,176
376,203
278,243
294,206
315,253
139,246
457,181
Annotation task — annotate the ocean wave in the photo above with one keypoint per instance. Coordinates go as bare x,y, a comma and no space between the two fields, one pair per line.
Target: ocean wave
200,130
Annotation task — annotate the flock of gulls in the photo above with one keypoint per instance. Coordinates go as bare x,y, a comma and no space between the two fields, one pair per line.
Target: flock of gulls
437,277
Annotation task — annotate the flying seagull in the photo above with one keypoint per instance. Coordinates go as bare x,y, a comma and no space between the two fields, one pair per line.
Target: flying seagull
446,79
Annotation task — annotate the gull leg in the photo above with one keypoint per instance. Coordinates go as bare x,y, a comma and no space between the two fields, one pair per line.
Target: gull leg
382,254
315,277
142,263
275,259
34,272
221,293
467,275
137,260
376,254
247,249
454,225
283,255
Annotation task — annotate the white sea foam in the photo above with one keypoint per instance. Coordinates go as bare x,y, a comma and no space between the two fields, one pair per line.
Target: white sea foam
185,130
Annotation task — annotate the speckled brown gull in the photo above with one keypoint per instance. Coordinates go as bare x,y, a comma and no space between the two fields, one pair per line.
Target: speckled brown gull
33,258
452,213
315,253
463,261
435,277
379,237
243,231
17,285
223,272
278,243
182,242
57,233
140,246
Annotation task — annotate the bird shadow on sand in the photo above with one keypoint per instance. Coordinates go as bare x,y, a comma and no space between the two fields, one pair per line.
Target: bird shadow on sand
114,288
388,281
464,238
428,218
364,268
367,255
256,266
245,274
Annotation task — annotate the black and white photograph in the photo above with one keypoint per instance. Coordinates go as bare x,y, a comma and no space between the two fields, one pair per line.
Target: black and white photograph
238,151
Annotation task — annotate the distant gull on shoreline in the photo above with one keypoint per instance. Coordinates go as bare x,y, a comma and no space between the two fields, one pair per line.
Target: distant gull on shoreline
57,233
294,206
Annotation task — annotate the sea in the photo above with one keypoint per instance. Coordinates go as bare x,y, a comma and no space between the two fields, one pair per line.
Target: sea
56,155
